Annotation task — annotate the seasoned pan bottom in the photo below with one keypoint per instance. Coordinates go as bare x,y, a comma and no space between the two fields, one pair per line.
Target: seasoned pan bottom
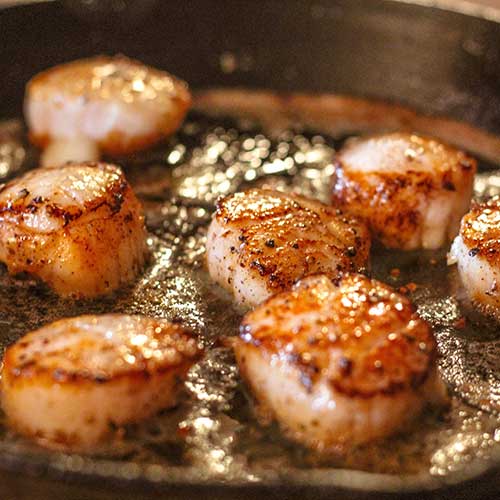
214,434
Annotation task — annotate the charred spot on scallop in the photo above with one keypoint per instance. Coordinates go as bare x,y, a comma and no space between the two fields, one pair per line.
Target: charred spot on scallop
69,383
351,355
411,190
261,242
114,104
476,250
79,228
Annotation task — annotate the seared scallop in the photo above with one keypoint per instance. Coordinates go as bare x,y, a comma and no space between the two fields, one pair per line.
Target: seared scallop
261,242
74,382
111,104
339,363
411,190
79,228
476,251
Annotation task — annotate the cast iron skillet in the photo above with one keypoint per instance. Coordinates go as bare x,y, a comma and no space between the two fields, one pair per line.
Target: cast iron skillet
432,59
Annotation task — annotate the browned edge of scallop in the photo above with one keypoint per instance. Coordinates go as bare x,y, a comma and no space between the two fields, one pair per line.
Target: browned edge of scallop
113,198
346,381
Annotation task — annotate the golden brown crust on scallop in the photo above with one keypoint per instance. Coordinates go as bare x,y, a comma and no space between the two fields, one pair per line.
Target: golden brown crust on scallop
73,384
283,237
392,202
364,337
167,347
92,76
480,230
71,235
108,203
114,78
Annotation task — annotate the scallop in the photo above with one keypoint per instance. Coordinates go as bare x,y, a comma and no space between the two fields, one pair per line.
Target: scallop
79,228
73,384
412,190
261,242
110,105
476,251
339,363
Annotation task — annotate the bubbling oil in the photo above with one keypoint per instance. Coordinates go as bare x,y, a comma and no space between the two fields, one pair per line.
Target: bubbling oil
215,432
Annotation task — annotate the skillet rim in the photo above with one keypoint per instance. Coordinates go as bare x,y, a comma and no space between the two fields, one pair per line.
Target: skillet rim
15,463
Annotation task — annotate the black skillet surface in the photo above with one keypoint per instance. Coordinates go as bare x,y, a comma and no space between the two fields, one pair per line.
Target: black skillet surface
436,61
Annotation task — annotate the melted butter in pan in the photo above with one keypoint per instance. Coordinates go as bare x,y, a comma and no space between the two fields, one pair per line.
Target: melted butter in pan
215,431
